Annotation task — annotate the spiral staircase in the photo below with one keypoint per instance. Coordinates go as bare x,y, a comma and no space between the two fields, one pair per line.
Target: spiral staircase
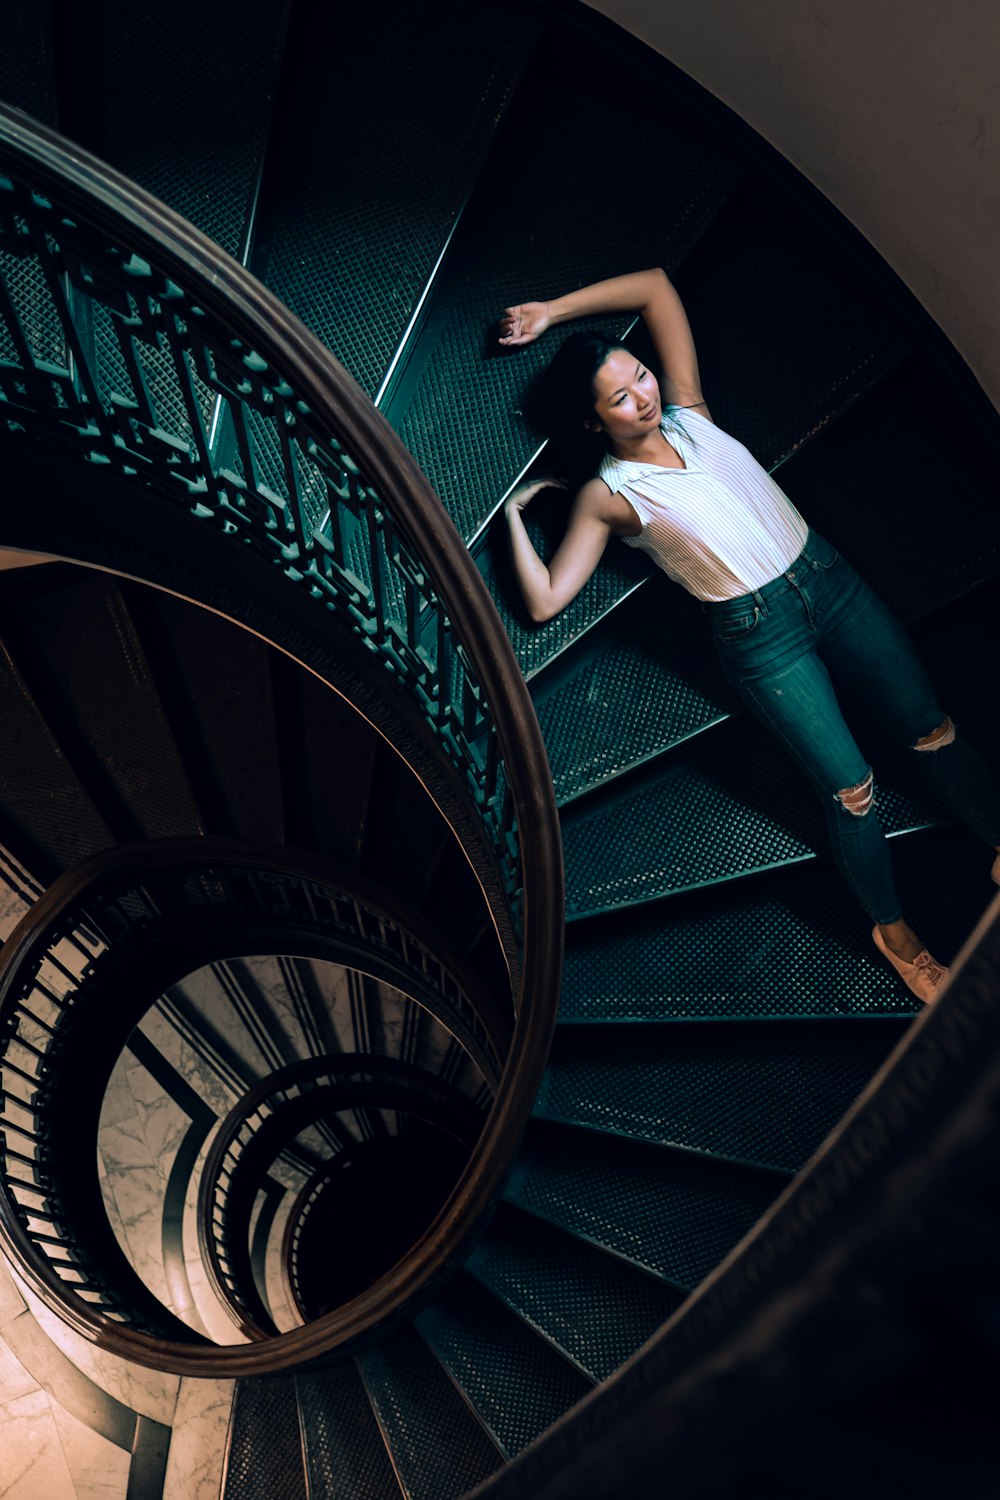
305,1178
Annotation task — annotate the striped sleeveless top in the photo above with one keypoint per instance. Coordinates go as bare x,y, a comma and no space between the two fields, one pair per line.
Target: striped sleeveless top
720,526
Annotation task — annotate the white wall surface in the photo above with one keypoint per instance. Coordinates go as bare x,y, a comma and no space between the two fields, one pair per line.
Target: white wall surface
892,109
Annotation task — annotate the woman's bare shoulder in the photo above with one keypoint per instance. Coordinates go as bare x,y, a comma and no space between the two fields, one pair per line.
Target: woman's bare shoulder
596,499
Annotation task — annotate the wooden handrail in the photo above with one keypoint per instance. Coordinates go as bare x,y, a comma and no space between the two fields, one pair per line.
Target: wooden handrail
88,191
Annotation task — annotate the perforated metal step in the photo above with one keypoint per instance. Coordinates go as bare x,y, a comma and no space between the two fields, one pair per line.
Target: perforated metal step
517,1383
645,679
439,1449
763,1095
346,1457
25,60
180,106
793,943
593,1306
265,1452
670,1212
729,804
377,214
531,232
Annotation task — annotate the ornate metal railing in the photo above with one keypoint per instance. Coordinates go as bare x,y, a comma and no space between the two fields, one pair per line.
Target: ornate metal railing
77,975
265,1124
130,342
133,349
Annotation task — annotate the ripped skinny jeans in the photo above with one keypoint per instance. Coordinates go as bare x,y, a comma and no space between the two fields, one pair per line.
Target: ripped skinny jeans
778,646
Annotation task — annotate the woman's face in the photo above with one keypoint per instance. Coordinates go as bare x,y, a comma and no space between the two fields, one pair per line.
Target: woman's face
626,398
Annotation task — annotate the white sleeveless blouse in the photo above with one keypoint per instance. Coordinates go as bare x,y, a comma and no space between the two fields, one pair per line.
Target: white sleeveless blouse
720,526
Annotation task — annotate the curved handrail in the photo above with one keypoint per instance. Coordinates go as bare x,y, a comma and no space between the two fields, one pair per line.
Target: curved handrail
168,903
263,1124
268,431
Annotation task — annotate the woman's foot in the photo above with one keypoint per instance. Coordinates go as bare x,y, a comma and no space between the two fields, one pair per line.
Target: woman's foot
922,975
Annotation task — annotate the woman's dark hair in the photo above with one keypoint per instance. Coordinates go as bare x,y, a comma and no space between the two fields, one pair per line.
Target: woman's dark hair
568,381
564,399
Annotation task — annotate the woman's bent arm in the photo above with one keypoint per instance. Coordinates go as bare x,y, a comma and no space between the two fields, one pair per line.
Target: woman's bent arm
548,589
648,293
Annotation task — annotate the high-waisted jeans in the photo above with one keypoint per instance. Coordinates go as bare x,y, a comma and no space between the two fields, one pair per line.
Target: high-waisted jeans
776,645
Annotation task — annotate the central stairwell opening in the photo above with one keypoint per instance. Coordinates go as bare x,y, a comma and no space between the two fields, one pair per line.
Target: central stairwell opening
319,701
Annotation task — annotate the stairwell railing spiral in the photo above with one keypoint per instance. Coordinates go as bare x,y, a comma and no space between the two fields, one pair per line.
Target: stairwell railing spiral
132,347
76,976
266,1123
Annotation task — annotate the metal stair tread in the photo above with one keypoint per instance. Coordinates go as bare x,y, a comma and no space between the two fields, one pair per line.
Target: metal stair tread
183,127
345,1455
381,213
264,1459
595,1308
464,422
674,1214
438,1447
777,947
730,805
517,1383
25,61
702,1087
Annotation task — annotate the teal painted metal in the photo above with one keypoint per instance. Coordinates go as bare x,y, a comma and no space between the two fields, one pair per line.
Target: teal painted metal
106,359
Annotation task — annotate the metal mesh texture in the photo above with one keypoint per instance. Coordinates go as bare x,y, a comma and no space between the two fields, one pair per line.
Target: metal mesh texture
673,1213
346,1458
105,703
593,1306
439,1450
49,820
25,78
163,380
644,679
265,1449
762,1095
382,160
32,311
180,107
518,1385
792,943
728,804
465,422
621,570
221,711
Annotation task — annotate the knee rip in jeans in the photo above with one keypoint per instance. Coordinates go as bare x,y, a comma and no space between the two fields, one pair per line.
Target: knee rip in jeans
943,735
857,800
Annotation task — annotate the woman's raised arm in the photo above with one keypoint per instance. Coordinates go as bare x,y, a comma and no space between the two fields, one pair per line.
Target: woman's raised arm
648,293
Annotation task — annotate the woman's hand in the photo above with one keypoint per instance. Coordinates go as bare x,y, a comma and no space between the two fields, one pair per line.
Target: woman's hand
524,323
526,492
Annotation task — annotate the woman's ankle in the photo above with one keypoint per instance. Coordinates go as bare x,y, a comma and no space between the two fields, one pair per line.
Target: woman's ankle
901,939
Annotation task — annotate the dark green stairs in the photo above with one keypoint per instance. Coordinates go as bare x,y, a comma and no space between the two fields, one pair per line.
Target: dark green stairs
398,177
